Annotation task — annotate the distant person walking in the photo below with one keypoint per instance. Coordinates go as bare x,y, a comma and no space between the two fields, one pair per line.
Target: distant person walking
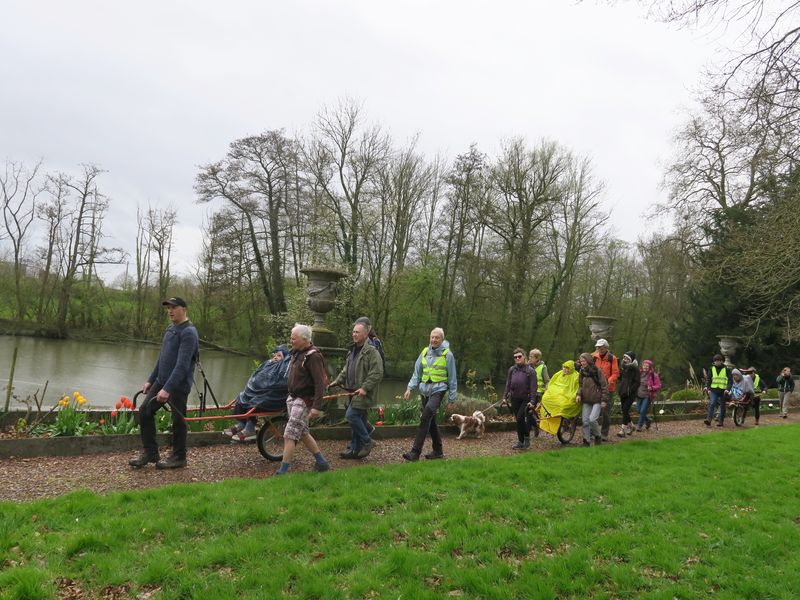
307,383
785,385
435,375
542,381
592,396
520,392
361,374
718,383
609,365
628,388
170,382
649,386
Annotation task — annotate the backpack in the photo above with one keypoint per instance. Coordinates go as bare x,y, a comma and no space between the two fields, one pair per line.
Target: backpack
374,340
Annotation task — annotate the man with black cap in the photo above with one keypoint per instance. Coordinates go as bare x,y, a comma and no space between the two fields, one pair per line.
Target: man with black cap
170,382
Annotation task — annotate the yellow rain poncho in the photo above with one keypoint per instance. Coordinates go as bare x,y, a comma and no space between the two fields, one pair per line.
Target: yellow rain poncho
559,398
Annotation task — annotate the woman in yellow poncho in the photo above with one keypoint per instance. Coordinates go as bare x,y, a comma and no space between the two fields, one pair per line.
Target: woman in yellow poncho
559,398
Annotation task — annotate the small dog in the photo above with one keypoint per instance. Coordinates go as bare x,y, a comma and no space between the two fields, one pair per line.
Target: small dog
475,424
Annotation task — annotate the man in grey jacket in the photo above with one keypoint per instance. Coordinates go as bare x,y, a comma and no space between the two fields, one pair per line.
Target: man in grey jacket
362,372
435,375
170,382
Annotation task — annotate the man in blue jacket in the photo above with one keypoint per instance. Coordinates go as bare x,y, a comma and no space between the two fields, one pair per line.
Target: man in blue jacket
435,375
170,382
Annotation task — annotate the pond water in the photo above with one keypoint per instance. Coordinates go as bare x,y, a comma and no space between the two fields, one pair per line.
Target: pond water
104,371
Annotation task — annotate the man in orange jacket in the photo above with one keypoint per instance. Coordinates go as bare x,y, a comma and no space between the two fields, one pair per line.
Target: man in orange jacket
608,364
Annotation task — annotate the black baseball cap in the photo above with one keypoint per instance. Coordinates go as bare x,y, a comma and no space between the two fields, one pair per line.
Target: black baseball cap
174,301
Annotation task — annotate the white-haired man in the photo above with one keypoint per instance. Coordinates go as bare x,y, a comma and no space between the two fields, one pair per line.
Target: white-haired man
307,383
435,375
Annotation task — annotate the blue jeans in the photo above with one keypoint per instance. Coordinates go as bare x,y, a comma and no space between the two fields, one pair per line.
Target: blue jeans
357,418
715,397
642,404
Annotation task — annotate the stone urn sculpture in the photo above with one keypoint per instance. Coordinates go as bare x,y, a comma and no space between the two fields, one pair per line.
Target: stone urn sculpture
321,299
601,326
728,345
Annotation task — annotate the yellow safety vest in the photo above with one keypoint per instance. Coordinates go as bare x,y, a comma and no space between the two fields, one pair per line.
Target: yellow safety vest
756,381
719,379
539,379
437,372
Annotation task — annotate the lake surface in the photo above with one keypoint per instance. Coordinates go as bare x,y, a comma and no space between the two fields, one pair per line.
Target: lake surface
104,371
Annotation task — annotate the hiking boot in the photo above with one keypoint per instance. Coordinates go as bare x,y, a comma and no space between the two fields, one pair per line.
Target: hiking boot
518,446
348,454
365,449
597,440
586,443
526,443
648,424
143,459
322,467
434,455
707,422
719,424
171,462
411,456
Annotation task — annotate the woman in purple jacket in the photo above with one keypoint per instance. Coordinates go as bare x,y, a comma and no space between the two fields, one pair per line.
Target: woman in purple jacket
521,390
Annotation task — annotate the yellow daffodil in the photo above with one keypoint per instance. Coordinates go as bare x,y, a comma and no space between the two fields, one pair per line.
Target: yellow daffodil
81,400
76,395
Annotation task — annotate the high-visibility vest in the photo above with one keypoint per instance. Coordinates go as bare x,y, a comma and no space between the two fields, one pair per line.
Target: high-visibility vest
756,381
719,379
539,378
437,372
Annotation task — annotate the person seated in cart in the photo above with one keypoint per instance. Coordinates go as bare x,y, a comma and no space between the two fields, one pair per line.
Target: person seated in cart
558,399
266,391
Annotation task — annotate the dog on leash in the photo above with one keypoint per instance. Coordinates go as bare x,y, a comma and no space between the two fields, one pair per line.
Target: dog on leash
474,424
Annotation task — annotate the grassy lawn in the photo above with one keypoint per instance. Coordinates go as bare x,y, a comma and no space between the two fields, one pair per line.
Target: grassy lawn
713,515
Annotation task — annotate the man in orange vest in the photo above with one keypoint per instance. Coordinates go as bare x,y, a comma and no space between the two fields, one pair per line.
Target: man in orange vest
608,364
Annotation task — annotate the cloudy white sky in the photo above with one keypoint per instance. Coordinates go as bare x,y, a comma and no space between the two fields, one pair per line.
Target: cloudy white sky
150,90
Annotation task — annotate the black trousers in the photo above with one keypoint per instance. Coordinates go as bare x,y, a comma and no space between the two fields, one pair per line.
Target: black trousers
626,404
519,407
427,423
147,421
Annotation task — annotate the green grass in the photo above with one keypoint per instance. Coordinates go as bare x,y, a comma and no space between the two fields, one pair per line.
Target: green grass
713,515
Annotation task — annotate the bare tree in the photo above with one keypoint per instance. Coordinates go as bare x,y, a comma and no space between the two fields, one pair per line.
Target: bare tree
20,188
344,158
81,235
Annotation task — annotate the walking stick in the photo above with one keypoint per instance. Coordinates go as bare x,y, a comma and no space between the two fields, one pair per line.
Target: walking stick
655,422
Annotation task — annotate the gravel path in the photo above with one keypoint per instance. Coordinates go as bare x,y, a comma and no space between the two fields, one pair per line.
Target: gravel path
31,478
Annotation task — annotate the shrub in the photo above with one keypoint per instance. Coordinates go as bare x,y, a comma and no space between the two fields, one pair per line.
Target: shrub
687,394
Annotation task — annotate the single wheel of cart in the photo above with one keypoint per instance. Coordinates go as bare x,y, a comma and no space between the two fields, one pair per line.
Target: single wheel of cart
566,430
270,438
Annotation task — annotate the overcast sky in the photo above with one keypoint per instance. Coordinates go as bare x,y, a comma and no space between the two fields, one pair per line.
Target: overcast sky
150,90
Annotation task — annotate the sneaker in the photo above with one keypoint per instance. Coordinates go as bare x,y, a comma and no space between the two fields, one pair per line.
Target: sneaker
434,455
171,462
784,416
639,429
411,456
321,467
598,440
365,449
232,431
245,435
648,424
586,443
719,424
526,443
348,454
621,432
518,446
707,422
143,459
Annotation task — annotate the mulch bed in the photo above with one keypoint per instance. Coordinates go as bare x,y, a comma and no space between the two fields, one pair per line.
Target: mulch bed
44,477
